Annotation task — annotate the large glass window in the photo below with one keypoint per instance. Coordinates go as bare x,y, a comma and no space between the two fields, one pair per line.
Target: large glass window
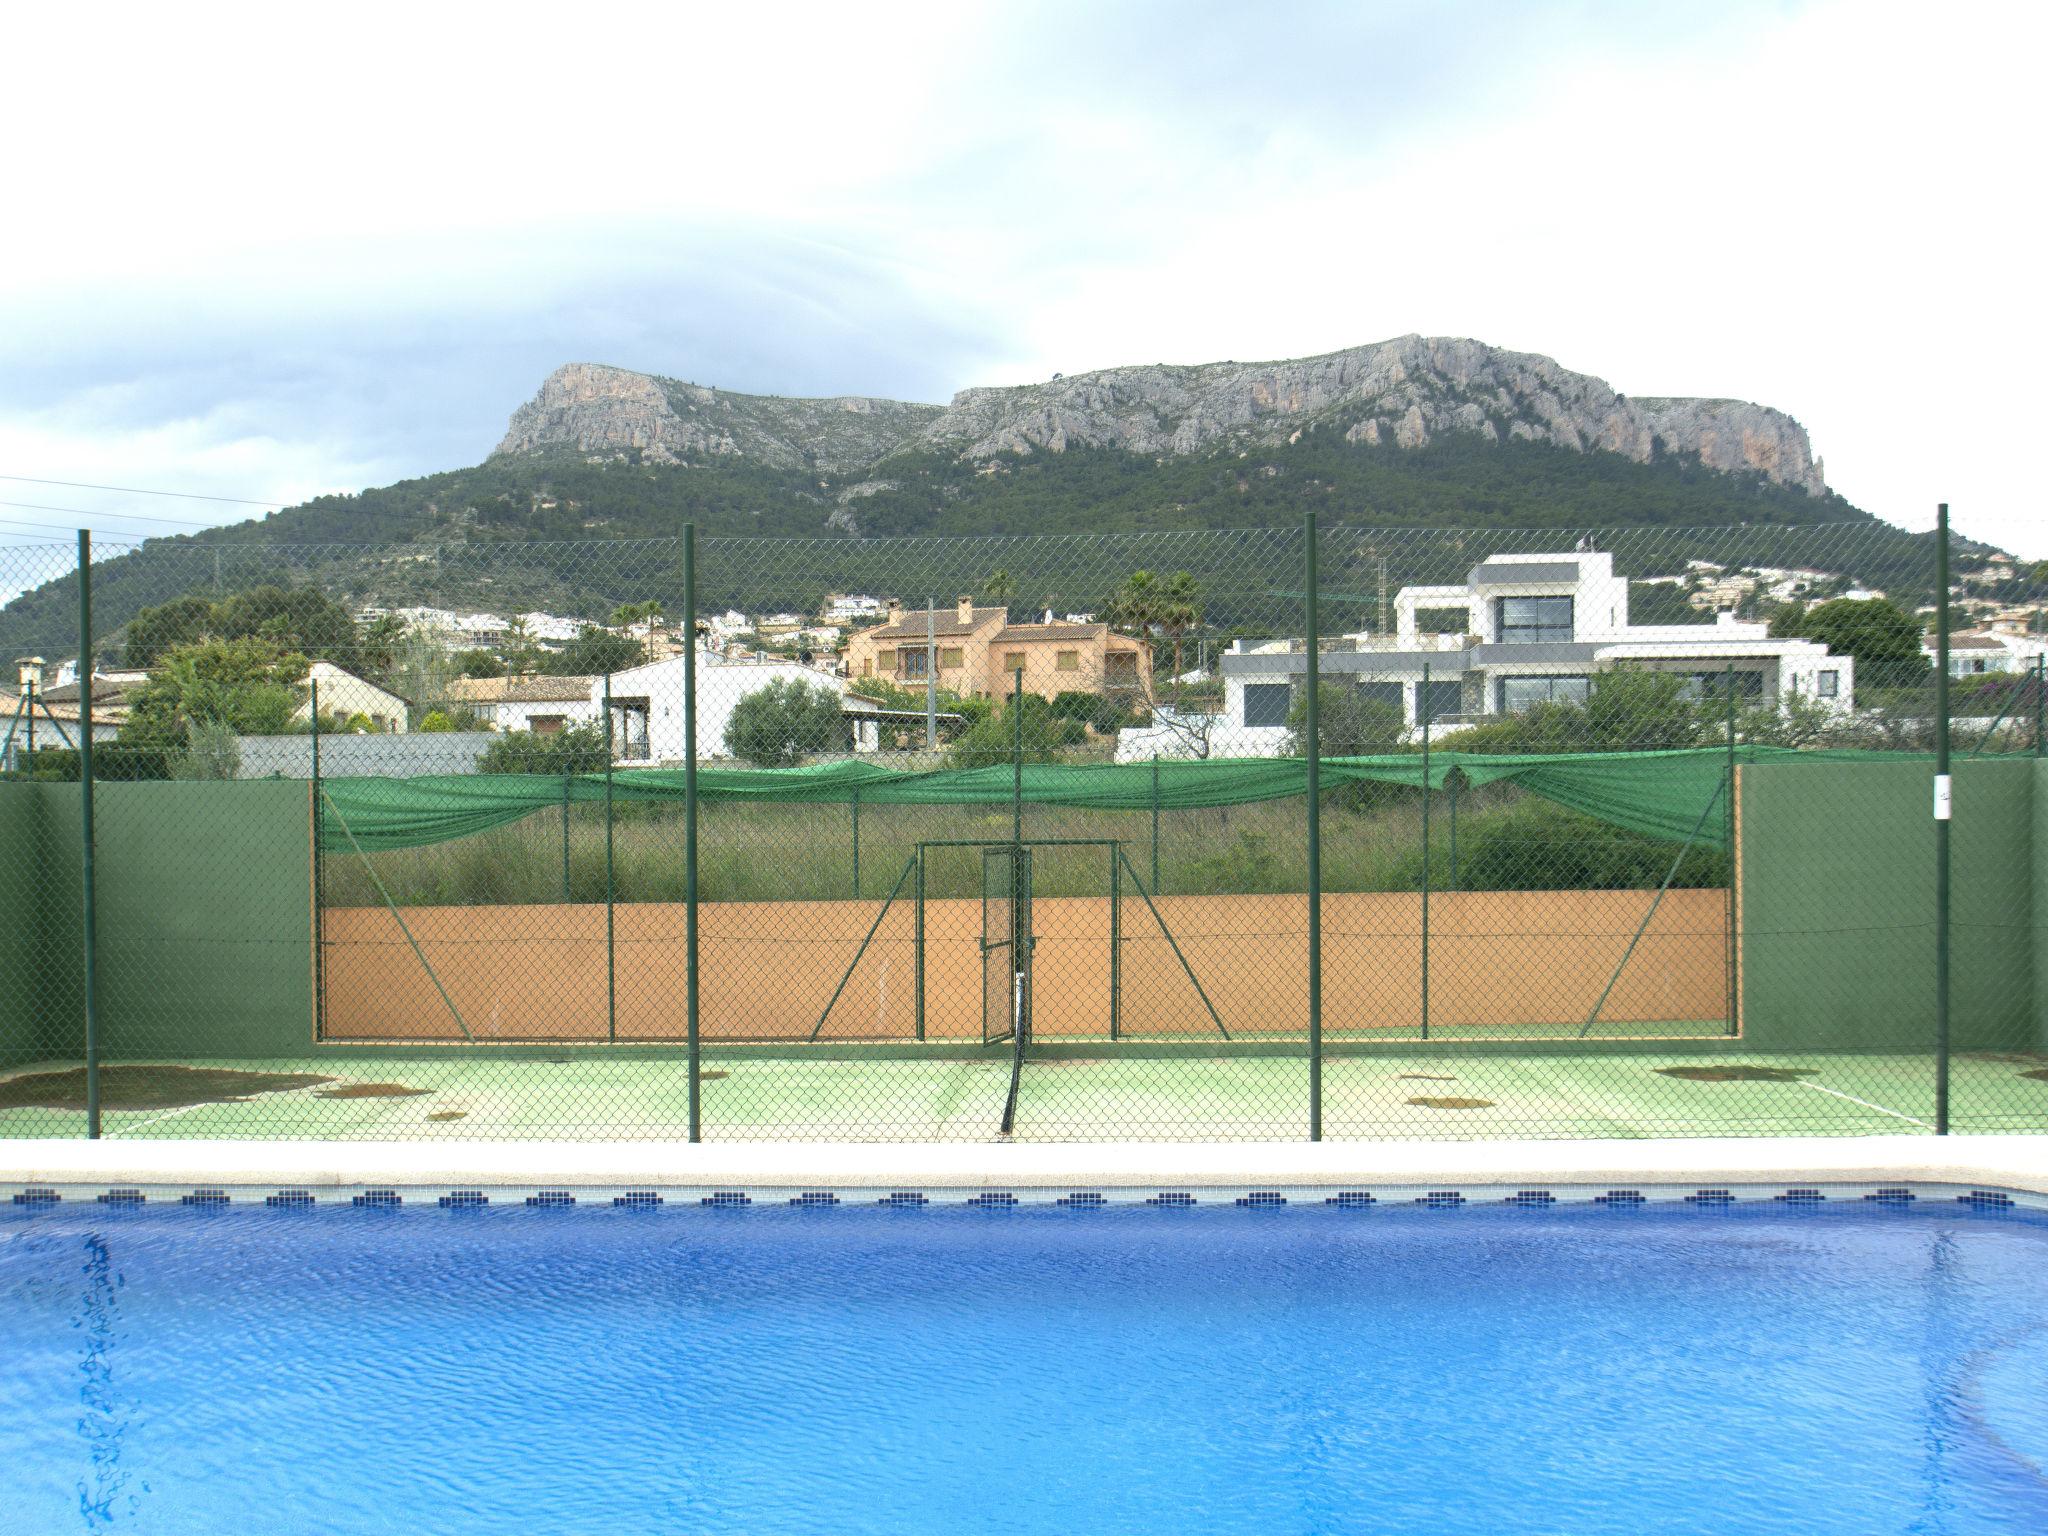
1714,685
1266,703
1520,693
1440,699
1528,620
913,663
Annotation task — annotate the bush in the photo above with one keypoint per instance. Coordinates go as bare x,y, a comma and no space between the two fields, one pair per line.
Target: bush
579,749
1105,714
1538,846
779,725
1350,724
111,763
993,739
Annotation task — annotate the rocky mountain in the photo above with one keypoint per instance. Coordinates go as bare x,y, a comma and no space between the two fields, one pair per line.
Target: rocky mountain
599,411
1440,438
1403,393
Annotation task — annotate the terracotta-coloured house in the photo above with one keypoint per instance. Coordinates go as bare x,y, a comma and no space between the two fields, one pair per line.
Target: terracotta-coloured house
974,651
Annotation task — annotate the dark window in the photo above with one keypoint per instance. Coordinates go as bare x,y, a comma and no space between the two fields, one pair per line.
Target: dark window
1266,703
1529,620
1520,693
1382,693
913,663
1828,685
1714,685
1440,700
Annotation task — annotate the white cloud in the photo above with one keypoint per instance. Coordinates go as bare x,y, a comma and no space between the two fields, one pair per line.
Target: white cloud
276,250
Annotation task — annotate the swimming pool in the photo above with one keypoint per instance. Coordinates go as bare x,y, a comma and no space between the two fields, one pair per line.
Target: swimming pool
1759,1367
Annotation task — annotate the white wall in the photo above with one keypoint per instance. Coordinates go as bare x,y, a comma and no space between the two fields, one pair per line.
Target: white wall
721,684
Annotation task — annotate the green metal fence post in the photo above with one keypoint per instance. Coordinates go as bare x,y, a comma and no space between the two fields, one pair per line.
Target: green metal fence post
855,801
30,696
565,835
1451,783
1730,952
1425,851
1116,940
1017,761
917,959
1312,736
1155,821
691,973
85,797
2040,687
1942,801
611,967
319,915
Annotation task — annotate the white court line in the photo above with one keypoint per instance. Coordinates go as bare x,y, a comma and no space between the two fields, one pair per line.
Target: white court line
1817,1088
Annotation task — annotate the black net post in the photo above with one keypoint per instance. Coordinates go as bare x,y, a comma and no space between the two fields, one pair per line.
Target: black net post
85,805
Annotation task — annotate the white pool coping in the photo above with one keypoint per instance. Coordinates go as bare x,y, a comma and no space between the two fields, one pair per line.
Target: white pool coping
198,1171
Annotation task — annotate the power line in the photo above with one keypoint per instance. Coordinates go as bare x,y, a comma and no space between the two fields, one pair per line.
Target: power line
126,517
136,490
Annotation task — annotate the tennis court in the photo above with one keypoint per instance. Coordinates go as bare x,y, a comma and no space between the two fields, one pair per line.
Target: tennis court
748,1096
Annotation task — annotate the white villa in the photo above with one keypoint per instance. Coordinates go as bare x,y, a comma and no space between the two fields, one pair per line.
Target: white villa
343,693
1537,628
647,703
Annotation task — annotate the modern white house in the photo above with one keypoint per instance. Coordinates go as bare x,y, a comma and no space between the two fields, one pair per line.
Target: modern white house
1528,629
343,693
1974,652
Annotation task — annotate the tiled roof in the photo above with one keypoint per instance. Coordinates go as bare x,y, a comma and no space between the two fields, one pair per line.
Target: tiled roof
1053,631
944,622
521,690
104,691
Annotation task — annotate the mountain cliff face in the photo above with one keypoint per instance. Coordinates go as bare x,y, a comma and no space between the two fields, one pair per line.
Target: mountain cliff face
600,412
1403,393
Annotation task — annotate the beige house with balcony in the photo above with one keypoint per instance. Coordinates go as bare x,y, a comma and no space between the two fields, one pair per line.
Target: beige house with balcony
974,651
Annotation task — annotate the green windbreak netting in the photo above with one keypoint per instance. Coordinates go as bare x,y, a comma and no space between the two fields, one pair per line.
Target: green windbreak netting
1660,794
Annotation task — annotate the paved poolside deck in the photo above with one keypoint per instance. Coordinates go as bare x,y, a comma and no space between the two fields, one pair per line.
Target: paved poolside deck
1430,1094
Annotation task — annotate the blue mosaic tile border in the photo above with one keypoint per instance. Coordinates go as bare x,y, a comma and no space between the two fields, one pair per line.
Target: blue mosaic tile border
1704,1198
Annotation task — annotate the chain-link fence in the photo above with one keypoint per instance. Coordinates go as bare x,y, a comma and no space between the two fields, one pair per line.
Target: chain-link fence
1624,832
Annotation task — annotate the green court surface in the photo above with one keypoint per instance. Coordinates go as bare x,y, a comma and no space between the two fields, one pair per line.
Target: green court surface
752,1095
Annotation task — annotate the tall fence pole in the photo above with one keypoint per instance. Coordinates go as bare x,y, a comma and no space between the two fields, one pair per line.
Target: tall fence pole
1155,822
1314,743
319,903
931,677
29,694
2040,687
854,801
690,969
565,835
1451,784
1730,950
611,965
1017,761
85,788
1424,706
1941,820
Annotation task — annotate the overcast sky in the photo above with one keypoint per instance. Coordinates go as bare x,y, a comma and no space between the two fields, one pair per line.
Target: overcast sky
270,251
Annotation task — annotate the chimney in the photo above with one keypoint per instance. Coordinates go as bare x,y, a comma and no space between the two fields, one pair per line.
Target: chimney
895,610
29,670
966,610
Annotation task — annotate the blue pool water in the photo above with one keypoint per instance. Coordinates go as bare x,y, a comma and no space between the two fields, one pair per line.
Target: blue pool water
938,1370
